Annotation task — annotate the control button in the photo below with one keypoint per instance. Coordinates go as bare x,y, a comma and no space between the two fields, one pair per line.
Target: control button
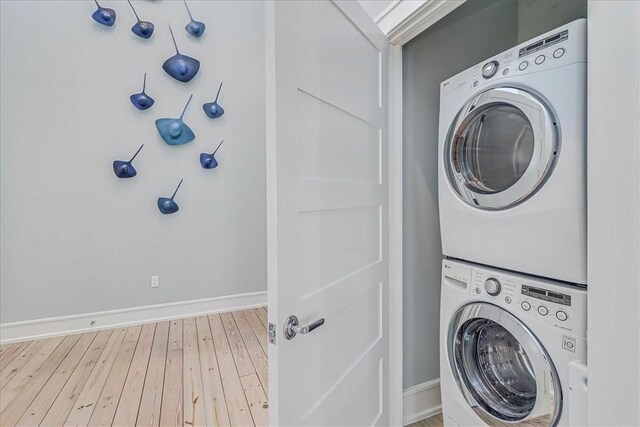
492,286
561,315
523,65
505,71
558,52
475,84
478,291
543,310
507,300
540,59
489,69
525,306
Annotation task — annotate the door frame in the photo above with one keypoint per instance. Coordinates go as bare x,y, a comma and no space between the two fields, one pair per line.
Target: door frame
608,190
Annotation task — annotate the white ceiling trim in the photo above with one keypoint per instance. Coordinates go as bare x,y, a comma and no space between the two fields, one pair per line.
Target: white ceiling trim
403,20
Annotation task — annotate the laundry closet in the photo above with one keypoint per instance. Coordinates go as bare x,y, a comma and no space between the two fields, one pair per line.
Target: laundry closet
474,32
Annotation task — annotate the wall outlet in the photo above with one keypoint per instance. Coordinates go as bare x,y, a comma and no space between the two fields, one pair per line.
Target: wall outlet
155,281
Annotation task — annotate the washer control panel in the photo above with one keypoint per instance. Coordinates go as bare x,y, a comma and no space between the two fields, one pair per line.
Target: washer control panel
556,304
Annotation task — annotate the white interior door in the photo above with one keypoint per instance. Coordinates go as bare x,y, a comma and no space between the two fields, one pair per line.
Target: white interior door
327,213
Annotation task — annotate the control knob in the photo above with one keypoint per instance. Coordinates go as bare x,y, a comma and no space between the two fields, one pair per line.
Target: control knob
489,69
492,286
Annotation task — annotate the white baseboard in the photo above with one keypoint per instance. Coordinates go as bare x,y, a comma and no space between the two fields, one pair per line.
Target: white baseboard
421,401
63,325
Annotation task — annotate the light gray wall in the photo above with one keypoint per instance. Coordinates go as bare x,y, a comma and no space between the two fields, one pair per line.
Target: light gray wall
473,32
75,239
539,16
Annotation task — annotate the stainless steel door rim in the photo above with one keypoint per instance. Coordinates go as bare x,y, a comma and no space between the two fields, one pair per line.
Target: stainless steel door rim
501,148
501,368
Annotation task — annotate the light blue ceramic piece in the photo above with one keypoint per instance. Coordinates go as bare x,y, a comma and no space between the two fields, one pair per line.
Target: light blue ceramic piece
141,28
167,205
213,110
104,15
181,67
195,28
175,131
208,161
141,100
124,169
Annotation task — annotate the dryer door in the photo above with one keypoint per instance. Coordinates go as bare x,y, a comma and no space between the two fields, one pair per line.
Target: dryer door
501,148
502,369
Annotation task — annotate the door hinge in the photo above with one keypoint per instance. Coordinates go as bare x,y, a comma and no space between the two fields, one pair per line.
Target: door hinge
272,333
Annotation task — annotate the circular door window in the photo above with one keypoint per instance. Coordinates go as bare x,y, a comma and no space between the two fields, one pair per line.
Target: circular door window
502,369
501,148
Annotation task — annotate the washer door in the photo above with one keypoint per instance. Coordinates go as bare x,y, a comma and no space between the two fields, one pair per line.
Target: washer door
501,148
502,369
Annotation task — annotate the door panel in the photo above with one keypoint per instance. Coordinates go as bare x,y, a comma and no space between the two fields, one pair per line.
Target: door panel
328,213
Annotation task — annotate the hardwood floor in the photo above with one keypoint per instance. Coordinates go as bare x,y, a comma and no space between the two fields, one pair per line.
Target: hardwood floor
208,370
434,421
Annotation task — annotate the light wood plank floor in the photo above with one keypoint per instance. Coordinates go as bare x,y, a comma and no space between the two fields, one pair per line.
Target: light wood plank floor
209,370
434,421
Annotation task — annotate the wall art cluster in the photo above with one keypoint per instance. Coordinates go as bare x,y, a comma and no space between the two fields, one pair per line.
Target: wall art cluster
182,68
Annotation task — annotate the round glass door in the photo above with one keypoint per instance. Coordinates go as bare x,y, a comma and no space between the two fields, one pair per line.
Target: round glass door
501,368
501,148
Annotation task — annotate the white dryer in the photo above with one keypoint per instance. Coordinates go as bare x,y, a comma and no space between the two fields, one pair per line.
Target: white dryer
512,170
512,349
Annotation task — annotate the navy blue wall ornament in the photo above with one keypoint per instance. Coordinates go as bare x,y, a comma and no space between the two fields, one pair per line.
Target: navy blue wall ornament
167,205
212,109
141,100
175,131
195,28
104,15
124,169
208,161
142,29
181,67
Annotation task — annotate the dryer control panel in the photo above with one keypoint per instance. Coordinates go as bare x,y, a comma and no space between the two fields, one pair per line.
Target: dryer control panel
556,48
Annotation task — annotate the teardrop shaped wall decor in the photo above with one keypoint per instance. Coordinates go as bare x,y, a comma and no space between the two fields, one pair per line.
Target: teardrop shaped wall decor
104,15
175,131
181,67
143,29
141,100
195,28
208,161
167,205
213,110
125,169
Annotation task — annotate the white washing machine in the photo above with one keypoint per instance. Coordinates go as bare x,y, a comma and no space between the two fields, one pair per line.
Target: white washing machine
513,349
512,170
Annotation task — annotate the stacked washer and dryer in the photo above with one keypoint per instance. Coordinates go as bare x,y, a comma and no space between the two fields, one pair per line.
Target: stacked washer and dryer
512,198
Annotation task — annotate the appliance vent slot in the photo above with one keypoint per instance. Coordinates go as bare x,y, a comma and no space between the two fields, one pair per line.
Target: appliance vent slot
541,44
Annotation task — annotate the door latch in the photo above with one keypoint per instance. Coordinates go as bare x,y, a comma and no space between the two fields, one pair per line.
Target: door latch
272,333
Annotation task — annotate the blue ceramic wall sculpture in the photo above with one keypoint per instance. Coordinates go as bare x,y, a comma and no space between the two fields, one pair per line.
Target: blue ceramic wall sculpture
195,28
142,29
208,161
141,100
167,205
124,169
175,131
212,109
181,67
104,15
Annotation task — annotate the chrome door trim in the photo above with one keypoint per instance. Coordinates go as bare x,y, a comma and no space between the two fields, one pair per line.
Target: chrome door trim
548,404
546,146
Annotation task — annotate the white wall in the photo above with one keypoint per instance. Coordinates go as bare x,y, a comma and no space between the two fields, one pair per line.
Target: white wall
76,239
614,213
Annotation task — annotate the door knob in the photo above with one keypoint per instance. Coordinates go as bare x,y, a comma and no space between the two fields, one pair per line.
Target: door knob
292,328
